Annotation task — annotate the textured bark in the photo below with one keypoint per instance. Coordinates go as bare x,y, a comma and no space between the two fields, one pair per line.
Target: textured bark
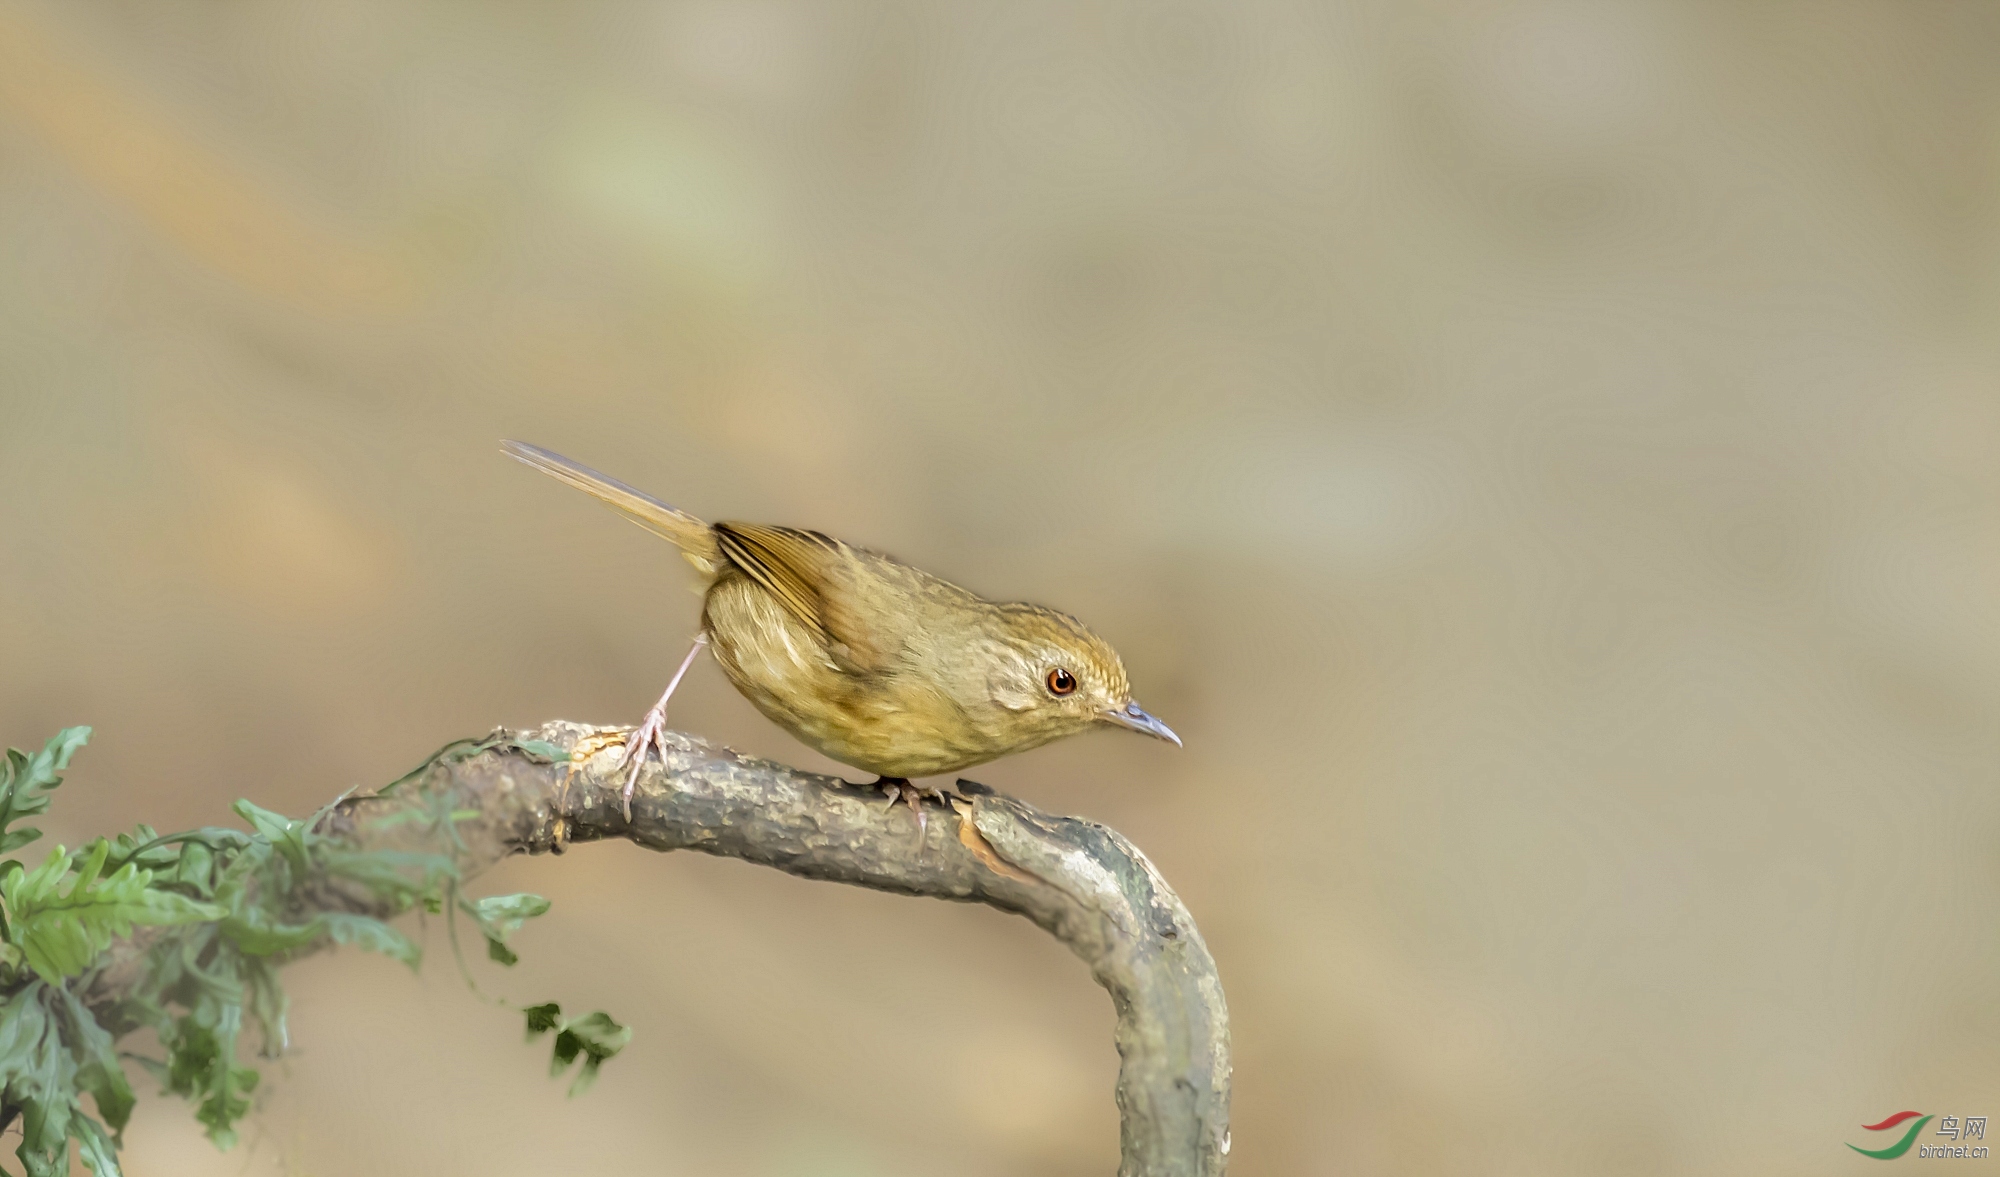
1079,881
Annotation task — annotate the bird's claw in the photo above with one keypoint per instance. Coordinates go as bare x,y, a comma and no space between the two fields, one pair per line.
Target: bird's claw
902,790
651,734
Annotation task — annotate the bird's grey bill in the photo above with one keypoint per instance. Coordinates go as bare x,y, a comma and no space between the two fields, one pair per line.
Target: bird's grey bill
1134,716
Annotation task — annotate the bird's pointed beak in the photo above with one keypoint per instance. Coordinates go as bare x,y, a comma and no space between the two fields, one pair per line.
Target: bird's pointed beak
1134,716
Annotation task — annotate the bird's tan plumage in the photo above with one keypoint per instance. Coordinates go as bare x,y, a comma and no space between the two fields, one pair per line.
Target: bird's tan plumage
873,662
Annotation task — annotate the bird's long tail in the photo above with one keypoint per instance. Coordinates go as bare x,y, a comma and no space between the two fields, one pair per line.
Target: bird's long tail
695,539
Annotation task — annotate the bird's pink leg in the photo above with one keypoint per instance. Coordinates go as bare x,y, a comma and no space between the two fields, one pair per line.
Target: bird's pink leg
651,732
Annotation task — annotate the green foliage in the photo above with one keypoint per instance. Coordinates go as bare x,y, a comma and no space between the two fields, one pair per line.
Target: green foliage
61,930
594,1036
500,916
25,784
228,908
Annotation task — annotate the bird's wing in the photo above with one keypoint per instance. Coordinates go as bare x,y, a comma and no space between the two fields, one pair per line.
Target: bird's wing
822,582
690,534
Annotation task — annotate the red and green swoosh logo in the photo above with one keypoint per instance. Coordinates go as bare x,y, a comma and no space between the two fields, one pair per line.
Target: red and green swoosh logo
1901,1146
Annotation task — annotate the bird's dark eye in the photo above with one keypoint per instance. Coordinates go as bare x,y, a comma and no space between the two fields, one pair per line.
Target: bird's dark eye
1061,682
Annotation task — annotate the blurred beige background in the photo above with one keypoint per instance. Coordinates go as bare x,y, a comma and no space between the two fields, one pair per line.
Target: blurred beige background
1541,455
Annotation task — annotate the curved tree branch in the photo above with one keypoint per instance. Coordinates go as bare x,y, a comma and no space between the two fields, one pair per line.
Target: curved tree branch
1077,880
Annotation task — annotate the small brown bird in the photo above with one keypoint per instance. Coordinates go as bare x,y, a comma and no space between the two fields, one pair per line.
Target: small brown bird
873,662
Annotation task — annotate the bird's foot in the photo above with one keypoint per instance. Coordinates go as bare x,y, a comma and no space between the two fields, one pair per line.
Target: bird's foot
632,752
649,735
899,789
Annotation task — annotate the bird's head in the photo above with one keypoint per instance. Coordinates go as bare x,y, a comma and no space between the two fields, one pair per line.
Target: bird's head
1053,677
